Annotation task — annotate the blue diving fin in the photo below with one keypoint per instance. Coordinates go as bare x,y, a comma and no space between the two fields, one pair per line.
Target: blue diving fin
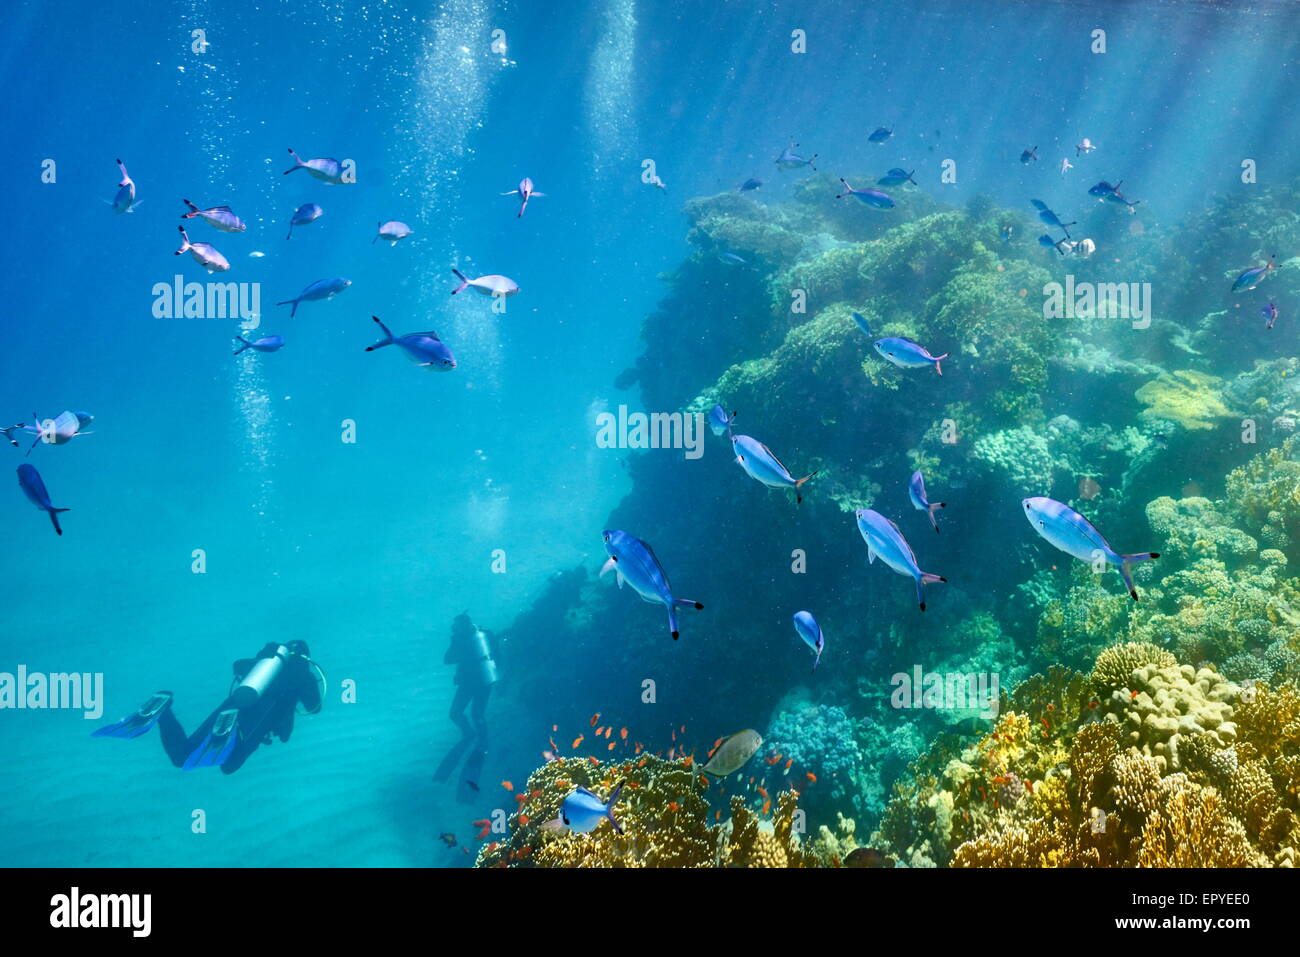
137,723
217,744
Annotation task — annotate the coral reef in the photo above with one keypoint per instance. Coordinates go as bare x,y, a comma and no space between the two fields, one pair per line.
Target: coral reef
664,814
1071,779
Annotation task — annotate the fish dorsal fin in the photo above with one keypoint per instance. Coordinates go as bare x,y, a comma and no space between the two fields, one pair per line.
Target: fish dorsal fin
221,209
589,794
431,334
894,525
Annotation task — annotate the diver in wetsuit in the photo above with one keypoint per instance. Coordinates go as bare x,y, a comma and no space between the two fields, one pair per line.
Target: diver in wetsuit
266,692
471,651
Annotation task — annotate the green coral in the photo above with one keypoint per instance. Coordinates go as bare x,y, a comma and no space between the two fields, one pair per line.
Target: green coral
1192,399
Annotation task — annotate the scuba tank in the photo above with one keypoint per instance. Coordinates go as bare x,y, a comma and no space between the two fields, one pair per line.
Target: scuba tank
259,679
484,667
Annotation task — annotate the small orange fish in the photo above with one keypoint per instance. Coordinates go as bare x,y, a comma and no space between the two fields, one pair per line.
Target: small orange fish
521,798
561,785
577,741
717,815
592,760
1092,705
812,778
623,733
762,790
704,780
609,731
1133,694
1051,707
598,732
983,796
485,832
688,760
594,718
535,794
674,735
639,748
555,727
507,785
484,822
611,746
1029,786
788,763
767,806
672,752
672,806
523,820
465,849
1046,726
683,729
641,763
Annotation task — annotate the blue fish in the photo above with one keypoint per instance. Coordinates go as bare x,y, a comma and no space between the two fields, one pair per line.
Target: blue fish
750,184
759,463
861,320
789,160
731,259
525,192
320,289
1270,313
1006,233
425,349
896,177
1117,198
885,540
1073,534
635,562
1103,189
29,480
325,169
916,492
124,201
871,197
1049,217
1047,242
719,420
1028,156
880,135
906,354
1253,277
221,217
304,214
265,344
58,431
581,811
811,632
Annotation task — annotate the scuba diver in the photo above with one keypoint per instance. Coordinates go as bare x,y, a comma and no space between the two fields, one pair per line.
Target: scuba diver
264,695
471,651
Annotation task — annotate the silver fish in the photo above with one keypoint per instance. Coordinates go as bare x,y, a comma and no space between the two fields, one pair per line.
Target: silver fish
205,254
733,752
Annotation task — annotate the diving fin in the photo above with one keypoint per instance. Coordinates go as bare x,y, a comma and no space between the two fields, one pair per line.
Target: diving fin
217,744
136,724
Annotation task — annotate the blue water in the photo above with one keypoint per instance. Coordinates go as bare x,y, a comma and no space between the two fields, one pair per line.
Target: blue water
367,549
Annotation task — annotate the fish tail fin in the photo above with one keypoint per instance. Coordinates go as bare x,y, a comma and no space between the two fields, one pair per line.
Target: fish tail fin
672,621
297,163
609,807
194,210
688,603
1126,572
6,434
290,302
54,517
798,484
938,359
847,188
932,510
378,226
388,336
185,241
463,281
925,578
246,344
125,178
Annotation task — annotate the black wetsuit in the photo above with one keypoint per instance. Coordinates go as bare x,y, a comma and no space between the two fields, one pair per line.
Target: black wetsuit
271,713
472,688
